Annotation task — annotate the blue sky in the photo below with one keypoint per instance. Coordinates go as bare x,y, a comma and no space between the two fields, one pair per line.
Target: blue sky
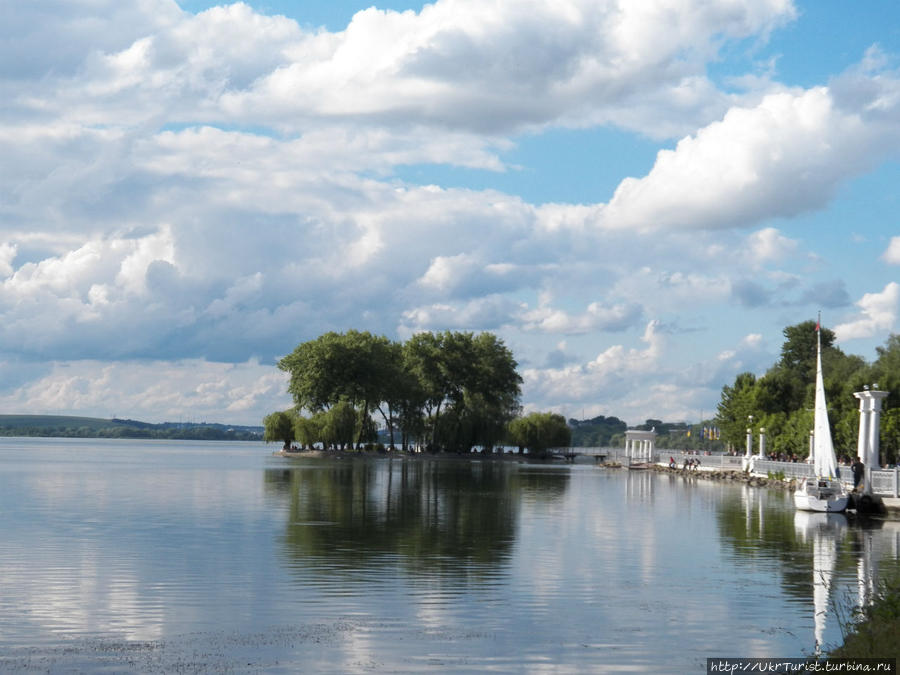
636,196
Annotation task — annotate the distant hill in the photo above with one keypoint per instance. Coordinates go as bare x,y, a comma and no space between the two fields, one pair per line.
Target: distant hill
93,427
598,432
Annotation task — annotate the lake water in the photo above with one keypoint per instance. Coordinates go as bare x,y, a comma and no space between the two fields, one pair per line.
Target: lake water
167,556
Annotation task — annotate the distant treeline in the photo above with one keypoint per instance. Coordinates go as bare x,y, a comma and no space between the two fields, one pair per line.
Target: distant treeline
604,432
597,432
90,427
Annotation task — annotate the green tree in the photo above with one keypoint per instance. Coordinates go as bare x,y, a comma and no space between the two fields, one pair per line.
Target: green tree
798,353
538,432
279,426
738,402
314,367
890,436
886,371
424,357
339,425
307,430
395,386
355,366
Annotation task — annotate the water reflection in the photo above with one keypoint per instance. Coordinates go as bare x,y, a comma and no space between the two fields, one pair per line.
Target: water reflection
640,485
358,565
827,563
443,517
824,530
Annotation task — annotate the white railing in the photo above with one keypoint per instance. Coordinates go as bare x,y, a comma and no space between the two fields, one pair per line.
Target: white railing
885,482
788,469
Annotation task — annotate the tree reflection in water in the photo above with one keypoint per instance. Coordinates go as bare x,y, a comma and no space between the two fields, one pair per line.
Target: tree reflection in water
440,516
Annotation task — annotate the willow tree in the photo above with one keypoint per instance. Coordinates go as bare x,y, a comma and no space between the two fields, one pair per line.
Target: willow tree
539,432
279,426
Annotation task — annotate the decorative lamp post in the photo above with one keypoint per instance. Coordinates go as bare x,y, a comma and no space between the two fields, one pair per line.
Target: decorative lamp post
749,450
762,442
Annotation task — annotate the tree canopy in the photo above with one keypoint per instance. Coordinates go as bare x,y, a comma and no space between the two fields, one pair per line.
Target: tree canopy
539,432
456,390
782,399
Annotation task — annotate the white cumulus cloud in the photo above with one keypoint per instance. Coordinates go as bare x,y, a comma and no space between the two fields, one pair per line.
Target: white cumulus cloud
878,313
892,254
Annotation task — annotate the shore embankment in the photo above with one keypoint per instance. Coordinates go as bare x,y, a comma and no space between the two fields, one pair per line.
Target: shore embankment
890,504
406,455
729,475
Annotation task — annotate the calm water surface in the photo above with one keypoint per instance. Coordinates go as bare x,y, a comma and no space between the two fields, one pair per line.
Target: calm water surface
205,557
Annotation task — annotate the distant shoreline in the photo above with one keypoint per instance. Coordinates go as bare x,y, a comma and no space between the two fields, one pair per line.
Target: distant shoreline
66,426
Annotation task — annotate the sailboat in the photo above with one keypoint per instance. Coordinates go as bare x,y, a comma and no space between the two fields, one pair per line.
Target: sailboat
822,491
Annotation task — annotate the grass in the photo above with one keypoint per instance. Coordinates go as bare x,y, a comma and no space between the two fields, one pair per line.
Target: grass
874,631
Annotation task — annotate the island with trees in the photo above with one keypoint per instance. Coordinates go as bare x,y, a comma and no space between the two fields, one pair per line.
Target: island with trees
450,392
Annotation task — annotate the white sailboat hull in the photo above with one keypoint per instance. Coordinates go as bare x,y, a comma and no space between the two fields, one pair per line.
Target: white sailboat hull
823,496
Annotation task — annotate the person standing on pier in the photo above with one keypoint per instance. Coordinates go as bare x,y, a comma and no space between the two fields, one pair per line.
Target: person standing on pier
859,470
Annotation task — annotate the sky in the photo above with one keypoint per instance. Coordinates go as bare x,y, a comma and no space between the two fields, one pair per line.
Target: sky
637,196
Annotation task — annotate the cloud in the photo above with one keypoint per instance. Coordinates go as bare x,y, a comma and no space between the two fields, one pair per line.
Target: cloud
768,244
598,317
466,275
187,190
492,68
613,369
488,313
749,293
7,256
636,384
155,391
878,313
488,69
830,294
783,157
892,254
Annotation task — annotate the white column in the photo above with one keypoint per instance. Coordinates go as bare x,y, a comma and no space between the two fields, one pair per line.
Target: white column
862,443
749,442
762,442
875,428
